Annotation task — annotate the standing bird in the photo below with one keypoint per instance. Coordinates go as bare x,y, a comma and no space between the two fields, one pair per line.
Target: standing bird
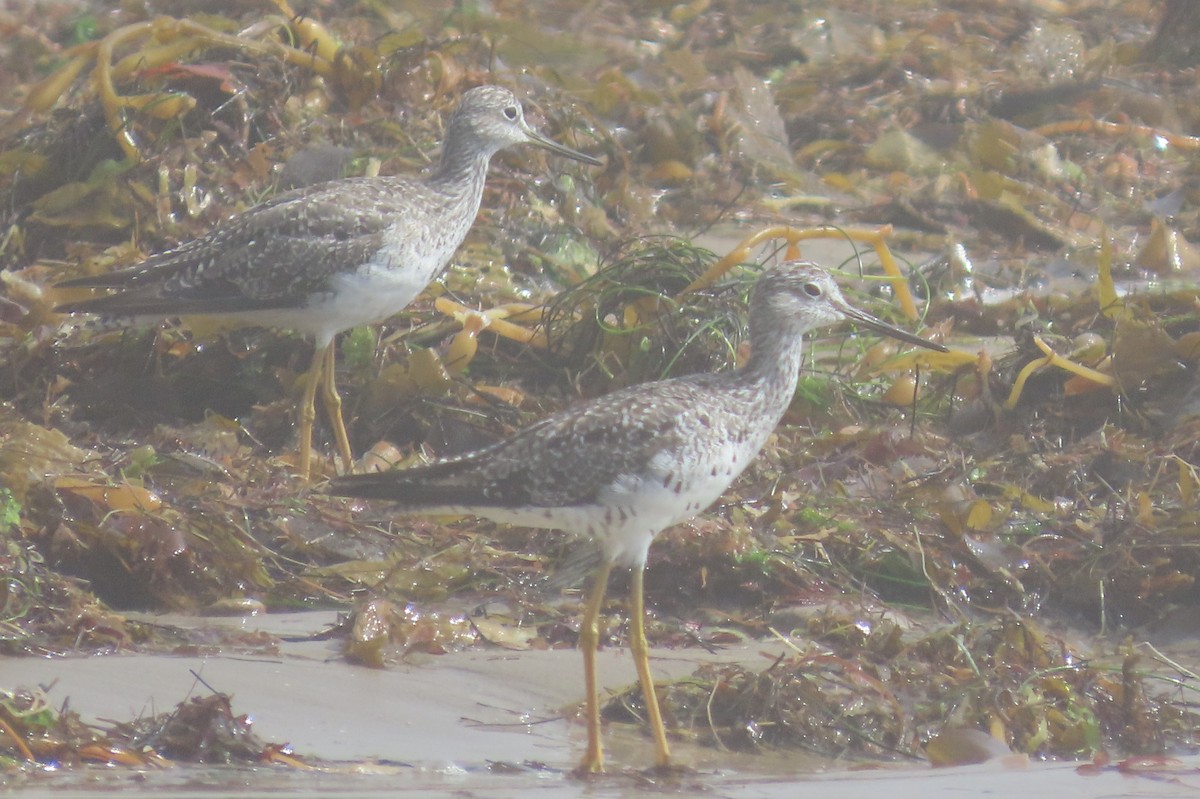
623,467
329,257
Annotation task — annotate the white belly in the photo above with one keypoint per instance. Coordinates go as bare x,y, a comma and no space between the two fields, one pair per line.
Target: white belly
369,295
631,511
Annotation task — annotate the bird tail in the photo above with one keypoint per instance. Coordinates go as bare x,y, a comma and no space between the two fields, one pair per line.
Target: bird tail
94,305
109,280
430,489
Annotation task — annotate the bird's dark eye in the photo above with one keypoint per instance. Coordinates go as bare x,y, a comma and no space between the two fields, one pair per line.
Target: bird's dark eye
812,290
511,112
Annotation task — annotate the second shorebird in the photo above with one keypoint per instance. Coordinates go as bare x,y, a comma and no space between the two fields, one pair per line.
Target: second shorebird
330,257
623,467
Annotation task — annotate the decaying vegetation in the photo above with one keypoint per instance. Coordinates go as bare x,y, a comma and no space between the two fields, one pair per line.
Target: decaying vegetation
1036,164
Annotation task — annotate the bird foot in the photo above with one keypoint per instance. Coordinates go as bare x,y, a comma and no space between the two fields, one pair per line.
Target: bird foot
591,765
663,772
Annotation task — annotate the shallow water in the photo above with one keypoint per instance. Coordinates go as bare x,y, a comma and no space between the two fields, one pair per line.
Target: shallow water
474,723
1031,783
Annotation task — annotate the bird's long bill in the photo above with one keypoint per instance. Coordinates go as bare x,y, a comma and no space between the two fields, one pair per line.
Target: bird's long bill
866,320
555,147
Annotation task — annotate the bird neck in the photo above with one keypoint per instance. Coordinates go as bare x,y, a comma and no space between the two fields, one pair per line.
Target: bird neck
463,165
773,368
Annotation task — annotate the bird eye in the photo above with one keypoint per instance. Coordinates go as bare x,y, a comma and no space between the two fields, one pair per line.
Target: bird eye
812,290
511,112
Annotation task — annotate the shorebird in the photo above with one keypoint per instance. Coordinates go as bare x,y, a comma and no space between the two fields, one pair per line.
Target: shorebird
326,258
623,467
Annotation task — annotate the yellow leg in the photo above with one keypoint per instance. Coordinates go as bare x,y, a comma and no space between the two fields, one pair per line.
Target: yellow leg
589,639
308,410
333,408
641,660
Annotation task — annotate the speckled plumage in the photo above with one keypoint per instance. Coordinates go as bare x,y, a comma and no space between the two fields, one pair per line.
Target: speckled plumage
623,467
681,442
283,263
326,258
590,468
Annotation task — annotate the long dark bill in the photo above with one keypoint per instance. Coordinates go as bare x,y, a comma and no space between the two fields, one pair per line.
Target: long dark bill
864,319
555,147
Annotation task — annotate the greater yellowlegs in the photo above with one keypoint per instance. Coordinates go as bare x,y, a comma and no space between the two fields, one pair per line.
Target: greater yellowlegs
326,258
623,467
